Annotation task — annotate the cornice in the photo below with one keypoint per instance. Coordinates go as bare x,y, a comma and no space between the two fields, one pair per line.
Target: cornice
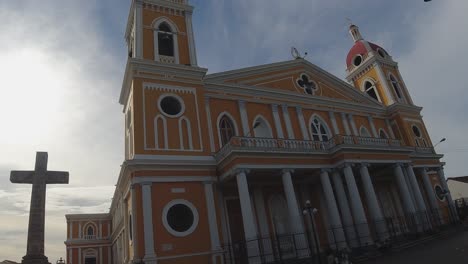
74,217
168,72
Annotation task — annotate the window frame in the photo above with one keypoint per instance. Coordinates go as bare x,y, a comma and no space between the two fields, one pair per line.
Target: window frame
168,227
218,124
319,134
374,87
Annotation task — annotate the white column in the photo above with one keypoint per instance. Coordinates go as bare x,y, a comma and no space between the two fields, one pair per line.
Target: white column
331,114
385,84
134,223
191,38
277,120
353,125
79,256
356,206
70,235
372,125
415,188
346,216
345,124
212,217
247,216
287,121
302,124
389,128
431,196
263,225
373,204
335,222
70,256
404,191
210,125
451,204
244,118
100,255
80,231
150,255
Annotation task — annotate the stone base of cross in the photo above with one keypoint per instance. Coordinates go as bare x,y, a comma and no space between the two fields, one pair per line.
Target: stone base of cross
39,178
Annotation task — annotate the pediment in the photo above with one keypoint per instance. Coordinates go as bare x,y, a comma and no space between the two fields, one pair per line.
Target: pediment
296,76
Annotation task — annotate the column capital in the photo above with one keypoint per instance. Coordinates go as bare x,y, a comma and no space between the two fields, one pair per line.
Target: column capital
299,108
239,171
284,106
274,107
146,183
398,164
408,165
364,164
327,170
284,171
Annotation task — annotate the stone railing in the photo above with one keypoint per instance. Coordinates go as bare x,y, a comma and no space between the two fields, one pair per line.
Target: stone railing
166,59
182,2
252,144
90,237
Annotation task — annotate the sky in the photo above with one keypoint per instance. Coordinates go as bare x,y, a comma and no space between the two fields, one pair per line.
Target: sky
62,63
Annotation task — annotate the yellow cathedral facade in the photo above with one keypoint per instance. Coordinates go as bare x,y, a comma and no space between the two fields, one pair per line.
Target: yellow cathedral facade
260,164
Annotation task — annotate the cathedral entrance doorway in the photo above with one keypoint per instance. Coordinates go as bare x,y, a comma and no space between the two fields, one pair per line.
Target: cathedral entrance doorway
281,225
90,260
236,229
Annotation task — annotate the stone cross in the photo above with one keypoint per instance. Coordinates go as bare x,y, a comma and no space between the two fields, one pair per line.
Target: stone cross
39,178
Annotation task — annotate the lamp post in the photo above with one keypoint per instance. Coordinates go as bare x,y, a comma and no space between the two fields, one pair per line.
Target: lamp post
442,140
308,210
60,261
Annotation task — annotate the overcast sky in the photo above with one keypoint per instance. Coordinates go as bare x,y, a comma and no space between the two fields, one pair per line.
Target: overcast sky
62,62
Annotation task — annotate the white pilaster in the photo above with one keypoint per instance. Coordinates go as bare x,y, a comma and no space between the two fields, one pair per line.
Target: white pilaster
100,229
345,124
384,82
150,255
372,125
389,128
244,118
302,124
373,204
79,256
346,216
210,125
212,217
356,206
100,255
277,120
407,94
70,256
415,188
247,216
353,125
287,121
80,231
334,124
134,222
70,234
431,196
138,16
335,222
191,38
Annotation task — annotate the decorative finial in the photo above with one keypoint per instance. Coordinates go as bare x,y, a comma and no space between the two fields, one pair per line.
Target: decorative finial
350,22
296,55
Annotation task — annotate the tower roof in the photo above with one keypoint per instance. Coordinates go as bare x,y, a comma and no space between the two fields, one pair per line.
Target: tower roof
361,46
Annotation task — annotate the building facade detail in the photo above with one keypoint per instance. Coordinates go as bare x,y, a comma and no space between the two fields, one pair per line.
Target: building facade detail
259,164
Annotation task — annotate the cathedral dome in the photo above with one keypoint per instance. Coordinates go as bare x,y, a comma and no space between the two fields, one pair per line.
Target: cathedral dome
360,48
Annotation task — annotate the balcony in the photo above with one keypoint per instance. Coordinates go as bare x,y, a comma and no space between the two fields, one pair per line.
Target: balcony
167,59
90,237
272,145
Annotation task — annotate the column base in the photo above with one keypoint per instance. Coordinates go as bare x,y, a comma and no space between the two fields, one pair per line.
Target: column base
151,259
35,259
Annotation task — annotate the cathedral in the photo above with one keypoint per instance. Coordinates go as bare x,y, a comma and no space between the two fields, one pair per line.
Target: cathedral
260,164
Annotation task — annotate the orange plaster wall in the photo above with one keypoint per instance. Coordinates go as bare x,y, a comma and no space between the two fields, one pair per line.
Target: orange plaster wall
373,75
148,34
381,124
322,114
139,234
362,121
199,240
295,123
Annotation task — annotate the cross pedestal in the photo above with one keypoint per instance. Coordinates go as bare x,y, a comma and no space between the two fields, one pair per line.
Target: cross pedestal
39,178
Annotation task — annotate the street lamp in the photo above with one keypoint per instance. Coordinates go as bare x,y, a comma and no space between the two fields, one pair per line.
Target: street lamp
308,210
442,140
60,261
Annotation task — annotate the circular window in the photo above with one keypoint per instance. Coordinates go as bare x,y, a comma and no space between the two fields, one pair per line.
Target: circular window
171,105
416,131
381,53
440,193
357,60
180,218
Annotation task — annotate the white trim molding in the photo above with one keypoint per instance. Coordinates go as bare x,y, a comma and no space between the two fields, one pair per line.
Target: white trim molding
168,227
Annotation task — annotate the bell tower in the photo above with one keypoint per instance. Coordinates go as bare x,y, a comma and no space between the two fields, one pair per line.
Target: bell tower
371,69
161,31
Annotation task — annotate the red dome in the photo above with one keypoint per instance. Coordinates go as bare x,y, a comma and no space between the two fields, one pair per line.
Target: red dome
360,48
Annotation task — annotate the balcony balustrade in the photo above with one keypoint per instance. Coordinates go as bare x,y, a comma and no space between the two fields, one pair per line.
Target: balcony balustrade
274,145
90,237
166,59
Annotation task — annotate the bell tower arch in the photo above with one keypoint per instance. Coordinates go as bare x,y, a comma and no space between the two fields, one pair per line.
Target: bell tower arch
161,31
368,61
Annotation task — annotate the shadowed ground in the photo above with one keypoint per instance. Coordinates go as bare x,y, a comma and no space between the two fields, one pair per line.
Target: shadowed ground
452,249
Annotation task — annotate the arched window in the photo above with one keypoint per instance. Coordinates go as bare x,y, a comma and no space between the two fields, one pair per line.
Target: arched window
396,86
319,130
90,231
226,129
165,40
363,132
383,134
261,128
371,90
